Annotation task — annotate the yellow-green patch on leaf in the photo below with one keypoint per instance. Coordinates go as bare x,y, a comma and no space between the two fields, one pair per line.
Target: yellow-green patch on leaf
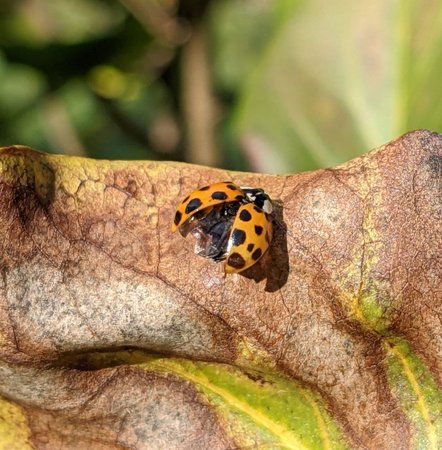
417,393
14,432
260,408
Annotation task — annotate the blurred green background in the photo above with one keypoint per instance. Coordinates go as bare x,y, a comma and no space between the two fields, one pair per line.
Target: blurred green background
265,85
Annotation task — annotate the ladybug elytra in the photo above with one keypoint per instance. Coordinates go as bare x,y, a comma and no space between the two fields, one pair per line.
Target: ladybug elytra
229,222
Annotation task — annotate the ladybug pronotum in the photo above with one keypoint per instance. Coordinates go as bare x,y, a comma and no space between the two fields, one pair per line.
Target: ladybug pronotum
229,222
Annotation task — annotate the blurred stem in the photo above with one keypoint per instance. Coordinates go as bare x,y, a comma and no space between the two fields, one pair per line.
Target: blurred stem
170,22
157,19
198,102
59,129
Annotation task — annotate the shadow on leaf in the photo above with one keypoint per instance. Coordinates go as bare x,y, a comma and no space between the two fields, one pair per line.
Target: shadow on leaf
274,266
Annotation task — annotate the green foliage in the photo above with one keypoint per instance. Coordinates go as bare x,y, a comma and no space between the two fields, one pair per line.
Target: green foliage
297,84
260,408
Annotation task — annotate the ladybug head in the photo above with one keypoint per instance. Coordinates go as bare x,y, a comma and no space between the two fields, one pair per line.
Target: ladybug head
259,198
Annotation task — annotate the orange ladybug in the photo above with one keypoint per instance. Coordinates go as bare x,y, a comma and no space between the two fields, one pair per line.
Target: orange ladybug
229,222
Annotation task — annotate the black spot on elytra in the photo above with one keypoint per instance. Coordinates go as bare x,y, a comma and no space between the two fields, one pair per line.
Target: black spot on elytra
192,205
245,216
205,188
257,254
177,219
231,187
236,261
250,247
219,195
238,237
239,197
258,230
259,210
275,267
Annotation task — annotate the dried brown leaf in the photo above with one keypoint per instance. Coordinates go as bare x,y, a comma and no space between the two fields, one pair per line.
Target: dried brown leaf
113,334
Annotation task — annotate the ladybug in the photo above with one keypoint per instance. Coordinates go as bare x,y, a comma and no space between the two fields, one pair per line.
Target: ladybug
229,223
